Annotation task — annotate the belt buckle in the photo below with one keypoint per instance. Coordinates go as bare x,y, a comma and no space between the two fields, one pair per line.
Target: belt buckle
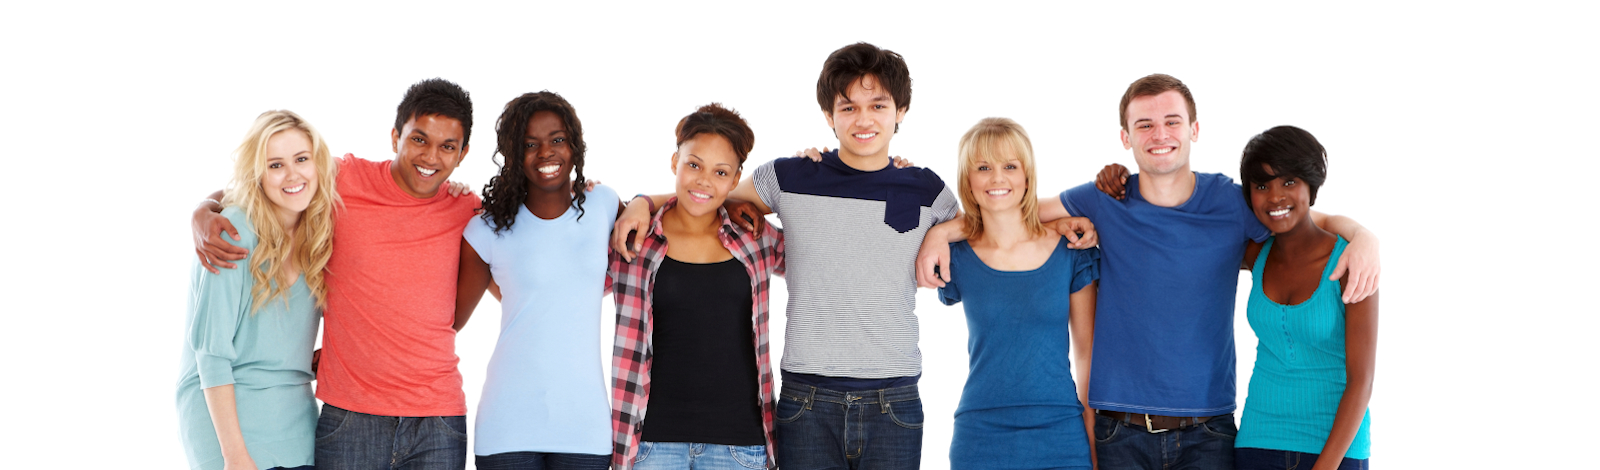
1150,428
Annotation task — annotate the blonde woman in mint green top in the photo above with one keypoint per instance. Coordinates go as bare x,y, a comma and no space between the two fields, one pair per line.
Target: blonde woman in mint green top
1307,405
244,393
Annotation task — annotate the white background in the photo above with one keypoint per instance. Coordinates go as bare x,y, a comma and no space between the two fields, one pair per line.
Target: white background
1464,136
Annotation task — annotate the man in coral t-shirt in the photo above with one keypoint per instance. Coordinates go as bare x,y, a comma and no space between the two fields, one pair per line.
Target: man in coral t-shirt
387,376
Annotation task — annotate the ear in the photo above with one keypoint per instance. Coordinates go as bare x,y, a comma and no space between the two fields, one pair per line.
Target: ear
674,163
900,115
828,116
461,157
1195,135
1125,144
394,140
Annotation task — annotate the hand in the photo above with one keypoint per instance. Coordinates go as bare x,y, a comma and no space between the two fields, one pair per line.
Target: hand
1078,230
458,189
746,215
1113,180
316,359
214,252
900,162
634,220
935,253
589,184
811,153
1360,262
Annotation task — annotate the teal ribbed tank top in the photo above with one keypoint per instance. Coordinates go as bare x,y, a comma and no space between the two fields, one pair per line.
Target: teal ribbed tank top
1299,374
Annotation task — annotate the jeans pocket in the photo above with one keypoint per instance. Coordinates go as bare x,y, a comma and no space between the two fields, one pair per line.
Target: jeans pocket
331,421
907,414
1221,427
453,426
1105,429
789,409
644,452
754,457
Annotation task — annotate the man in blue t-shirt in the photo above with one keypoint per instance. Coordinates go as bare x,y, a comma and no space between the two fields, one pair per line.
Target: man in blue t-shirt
1163,380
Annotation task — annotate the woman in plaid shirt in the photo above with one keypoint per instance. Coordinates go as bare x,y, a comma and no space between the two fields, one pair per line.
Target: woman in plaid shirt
691,341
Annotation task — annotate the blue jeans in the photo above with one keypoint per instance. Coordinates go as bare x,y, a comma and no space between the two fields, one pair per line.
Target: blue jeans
695,456
1248,458
347,440
821,429
542,461
1207,446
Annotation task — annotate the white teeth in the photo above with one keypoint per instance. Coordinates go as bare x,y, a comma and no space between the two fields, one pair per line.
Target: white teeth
866,136
1278,213
425,171
1161,151
296,189
700,195
999,192
549,169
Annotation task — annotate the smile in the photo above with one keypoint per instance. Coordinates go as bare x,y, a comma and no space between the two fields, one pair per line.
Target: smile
865,136
1161,151
549,170
999,192
296,189
699,196
1279,213
425,172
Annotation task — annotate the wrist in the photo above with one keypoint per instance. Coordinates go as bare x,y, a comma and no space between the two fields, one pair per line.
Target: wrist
211,205
649,202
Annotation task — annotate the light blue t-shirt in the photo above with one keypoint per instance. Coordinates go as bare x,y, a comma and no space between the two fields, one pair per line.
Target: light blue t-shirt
545,390
1163,329
265,355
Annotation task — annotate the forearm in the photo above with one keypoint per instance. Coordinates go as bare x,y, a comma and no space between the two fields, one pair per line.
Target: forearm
224,411
951,231
472,279
1343,226
212,202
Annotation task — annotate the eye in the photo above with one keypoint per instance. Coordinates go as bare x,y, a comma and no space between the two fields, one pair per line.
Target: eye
303,159
983,167
449,147
1261,187
274,165
416,139
722,172
848,109
1288,183
879,106
694,166
560,140
1011,167
1172,123
530,144
1144,126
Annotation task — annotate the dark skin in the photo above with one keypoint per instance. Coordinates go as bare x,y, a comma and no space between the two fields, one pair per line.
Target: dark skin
1290,276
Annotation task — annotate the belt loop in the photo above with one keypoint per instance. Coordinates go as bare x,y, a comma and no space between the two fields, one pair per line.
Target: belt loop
811,399
883,403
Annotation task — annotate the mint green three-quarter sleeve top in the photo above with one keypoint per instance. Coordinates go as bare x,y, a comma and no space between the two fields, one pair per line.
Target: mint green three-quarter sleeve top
266,355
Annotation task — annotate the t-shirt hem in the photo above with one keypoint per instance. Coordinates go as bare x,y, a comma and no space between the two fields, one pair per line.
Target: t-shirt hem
1269,444
605,450
397,412
1158,411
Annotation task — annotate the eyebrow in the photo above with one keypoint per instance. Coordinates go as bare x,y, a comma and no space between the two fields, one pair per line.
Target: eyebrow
697,157
425,134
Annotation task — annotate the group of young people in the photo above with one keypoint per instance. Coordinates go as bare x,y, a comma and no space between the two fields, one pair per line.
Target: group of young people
392,260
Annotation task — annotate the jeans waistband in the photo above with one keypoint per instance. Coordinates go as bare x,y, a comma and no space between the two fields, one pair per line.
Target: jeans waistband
808,393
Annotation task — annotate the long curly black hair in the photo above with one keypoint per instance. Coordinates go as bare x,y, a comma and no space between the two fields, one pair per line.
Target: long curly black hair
507,190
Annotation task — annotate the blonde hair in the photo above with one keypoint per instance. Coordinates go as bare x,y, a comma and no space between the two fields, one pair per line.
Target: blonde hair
277,249
989,139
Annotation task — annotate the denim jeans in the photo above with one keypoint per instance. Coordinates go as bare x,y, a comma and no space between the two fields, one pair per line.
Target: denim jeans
821,429
696,456
542,461
1207,446
347,440
1248,458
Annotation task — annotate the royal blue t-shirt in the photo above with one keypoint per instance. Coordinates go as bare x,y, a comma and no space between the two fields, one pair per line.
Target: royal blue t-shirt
1163,333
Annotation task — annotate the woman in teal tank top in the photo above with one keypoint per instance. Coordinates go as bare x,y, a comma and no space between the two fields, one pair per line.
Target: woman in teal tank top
1307,405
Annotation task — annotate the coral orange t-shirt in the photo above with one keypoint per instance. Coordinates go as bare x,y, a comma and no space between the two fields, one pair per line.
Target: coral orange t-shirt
388,347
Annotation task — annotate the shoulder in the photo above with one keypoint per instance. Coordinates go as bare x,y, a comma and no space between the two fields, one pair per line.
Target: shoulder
602,193
1081,194
788,164
241,222
1216,184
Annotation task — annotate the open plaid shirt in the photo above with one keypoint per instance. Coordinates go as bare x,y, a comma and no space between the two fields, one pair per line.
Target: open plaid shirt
632,286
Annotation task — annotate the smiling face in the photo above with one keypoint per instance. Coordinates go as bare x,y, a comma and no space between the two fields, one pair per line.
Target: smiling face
1159,133
864,119
290,178
707,170
547,156
427,148
1281,204
998,182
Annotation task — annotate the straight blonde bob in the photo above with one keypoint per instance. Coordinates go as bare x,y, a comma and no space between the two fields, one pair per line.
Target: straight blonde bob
996,140
312,245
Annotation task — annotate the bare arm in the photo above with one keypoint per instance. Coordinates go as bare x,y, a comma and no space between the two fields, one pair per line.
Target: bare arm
1360,351
207,225
225,418
1360,258
1081,324
471,281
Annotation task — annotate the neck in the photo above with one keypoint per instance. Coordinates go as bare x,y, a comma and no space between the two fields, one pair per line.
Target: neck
1167,190
290,220
549,204
873,162
1305,235
1004,228
679,219
394,172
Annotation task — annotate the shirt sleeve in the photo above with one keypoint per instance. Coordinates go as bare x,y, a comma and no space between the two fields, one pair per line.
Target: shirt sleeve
779,264
1247,219
766,181
481,236
1080,200
945,207
220,302
1086,269
950,294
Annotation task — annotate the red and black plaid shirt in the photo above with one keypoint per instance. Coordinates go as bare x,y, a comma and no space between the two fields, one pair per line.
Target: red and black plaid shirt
632,286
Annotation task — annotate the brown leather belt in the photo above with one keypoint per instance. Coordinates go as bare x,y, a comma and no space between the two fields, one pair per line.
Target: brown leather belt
1154,423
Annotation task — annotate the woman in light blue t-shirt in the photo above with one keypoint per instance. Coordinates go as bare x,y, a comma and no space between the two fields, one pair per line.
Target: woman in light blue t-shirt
1307,405
541,247
244,395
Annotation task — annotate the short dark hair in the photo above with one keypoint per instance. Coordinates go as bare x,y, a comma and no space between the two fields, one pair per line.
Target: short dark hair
1152,85
848,64
715,119
436,96
1290,152
504,195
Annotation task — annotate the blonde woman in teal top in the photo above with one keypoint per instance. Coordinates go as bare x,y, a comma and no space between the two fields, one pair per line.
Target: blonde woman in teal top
244,395
1307,406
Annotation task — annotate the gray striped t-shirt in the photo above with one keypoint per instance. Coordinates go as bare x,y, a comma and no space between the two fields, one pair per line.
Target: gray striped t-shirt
851,240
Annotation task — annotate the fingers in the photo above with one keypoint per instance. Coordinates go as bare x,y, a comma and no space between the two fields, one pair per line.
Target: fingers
619,239
205,263
1089,239
227,226
590,187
